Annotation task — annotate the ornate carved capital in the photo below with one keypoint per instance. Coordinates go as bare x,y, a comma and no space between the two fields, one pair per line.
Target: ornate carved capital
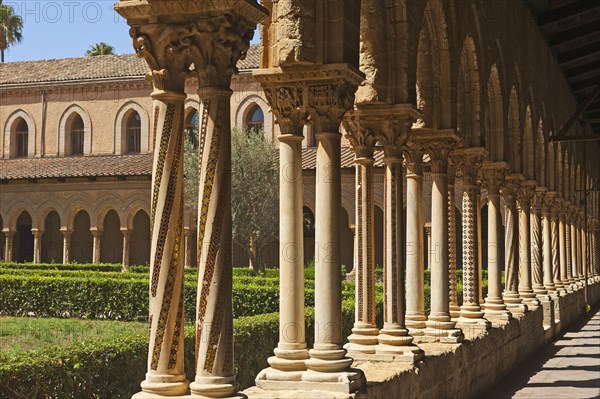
208,38
360,137
538,199
438,144
510,188
525,194
493,174
548,202
468,163
413,160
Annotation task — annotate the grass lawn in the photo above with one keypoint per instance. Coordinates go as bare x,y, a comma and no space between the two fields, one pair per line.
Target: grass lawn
21,334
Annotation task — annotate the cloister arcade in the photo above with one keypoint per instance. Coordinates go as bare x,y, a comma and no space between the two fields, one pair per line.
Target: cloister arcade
467,90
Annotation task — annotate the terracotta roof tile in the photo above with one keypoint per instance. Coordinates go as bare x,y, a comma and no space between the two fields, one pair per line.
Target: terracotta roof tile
88,68
88,166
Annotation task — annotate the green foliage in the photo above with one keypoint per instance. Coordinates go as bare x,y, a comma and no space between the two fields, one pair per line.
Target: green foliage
190,168
11,28
100,49
113,368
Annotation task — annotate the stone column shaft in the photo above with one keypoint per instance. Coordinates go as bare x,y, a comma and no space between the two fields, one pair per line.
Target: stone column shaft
495,308
415,296
537,238
471,314
525,274
511,294
187,234
126,239
365,331
66,245
439,326
96,245
454,308
556,249
37,245
564,251
291,351
548,278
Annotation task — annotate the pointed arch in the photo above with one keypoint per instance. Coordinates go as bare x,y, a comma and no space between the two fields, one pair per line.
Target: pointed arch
67,129
468,107
19,125
494,121
125,116
514,132
433,79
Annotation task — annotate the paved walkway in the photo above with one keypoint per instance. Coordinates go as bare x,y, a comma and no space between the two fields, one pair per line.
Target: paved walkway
566,368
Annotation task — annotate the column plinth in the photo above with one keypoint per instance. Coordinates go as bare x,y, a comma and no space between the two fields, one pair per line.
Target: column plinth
496,310
468,161
511,296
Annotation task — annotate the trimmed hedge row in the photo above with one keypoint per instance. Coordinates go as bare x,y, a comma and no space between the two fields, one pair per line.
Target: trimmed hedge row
113,368
116,299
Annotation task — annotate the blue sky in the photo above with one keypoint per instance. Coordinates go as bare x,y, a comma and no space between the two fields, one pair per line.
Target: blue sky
67,28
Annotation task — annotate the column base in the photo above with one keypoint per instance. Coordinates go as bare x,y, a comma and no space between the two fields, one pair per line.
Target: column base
166,385
146,395
473,327
214,387
529,298
442,329
286,365
496,311
328,361
394,344
363,340
344,382
454,312
416,326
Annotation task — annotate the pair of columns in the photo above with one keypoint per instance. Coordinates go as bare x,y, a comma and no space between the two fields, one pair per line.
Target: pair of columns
296,96
171,37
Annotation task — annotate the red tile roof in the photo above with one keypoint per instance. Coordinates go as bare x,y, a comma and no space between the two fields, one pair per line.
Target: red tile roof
87,166
89,68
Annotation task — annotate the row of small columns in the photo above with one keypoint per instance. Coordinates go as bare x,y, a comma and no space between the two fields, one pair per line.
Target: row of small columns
66,233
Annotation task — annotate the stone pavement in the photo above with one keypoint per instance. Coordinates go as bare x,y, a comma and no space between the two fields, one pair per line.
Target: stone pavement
567,368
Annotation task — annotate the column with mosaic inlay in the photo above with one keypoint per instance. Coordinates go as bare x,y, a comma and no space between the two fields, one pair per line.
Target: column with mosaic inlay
493,174
363,339
524,198
212,39
452,251
469,161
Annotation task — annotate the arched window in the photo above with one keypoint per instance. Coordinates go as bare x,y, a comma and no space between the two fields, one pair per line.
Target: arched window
191,128
76,134
255,121
134,128
21,139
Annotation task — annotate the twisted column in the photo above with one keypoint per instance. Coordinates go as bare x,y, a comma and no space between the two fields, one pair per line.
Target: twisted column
572,244
557,247
547,243
565,249
171,37
469,161
37,245
439,326
524,198
511,295
415,295
537,270
454,308
495,309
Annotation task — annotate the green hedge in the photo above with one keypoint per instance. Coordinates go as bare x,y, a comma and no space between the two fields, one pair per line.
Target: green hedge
113,368
116,299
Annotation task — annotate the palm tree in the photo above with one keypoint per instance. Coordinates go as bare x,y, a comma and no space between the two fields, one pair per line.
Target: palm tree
100,49
11,27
